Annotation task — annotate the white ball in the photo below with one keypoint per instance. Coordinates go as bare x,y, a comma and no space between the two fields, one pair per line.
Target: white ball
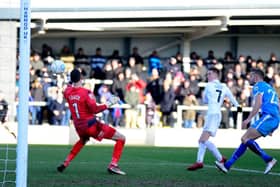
57,66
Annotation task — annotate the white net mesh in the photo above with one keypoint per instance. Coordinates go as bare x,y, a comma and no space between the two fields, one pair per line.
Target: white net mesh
7,165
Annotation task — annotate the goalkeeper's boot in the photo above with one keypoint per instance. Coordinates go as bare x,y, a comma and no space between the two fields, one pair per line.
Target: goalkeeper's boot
61,168
115,169
195,166
270,165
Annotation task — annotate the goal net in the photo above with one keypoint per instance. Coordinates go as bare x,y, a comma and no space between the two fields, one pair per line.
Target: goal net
7,165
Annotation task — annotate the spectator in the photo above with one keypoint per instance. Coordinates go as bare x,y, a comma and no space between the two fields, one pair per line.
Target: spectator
37,64
209,60
274,62
243,99
47,54
109,73
239,86
32,75
97,63
201,70
194,85
117,115
117,67
138,59
173,67
140,86
132,98
3,108
242,62
270,71
119,86
151,115
193,57
58,108
166,105
276,84
68,58
155,86
37,94
154,62
132,65
189,115
105,114
179,59
116,56
261,65
82,62
228,62
105,94
238,73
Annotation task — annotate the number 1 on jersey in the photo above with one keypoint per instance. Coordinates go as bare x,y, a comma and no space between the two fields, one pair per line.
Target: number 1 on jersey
75,105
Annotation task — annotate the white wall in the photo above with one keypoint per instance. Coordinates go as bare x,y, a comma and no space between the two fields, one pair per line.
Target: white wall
259,47
55,43
256,46
106,44
218,44
168,137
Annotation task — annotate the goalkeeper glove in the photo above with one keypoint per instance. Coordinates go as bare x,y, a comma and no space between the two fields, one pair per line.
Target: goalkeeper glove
239,109
112,101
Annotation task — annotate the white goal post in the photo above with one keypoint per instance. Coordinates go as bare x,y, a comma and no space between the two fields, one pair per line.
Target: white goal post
24,52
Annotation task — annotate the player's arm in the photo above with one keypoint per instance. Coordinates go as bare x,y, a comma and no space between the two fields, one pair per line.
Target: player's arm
234,101
93,106
204,95
255,109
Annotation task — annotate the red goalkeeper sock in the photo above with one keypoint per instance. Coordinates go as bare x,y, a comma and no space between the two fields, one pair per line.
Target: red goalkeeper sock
117,152
75,150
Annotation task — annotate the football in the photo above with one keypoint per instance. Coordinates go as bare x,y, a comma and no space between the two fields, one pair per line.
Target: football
57,67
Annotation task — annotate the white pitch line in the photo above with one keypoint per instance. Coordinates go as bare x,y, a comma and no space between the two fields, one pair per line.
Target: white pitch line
177,164
246,170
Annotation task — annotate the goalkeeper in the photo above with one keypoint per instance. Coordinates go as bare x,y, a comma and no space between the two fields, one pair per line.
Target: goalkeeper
83,108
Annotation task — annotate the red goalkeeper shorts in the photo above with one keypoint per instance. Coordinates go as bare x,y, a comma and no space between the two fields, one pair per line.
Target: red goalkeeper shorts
97,130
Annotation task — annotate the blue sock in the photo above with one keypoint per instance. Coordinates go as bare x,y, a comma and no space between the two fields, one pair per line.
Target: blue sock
259,151
237,153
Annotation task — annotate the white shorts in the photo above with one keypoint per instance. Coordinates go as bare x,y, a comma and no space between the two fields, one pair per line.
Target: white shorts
212,123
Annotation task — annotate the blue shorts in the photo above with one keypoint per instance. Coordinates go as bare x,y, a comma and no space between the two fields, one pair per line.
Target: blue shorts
266,124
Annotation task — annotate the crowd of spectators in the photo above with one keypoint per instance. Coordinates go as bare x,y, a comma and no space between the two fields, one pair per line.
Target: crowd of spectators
161,84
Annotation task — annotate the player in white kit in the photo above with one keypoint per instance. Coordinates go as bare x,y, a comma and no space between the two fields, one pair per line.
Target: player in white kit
214,94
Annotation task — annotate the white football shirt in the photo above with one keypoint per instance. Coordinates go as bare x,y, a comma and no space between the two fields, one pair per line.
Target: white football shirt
214,94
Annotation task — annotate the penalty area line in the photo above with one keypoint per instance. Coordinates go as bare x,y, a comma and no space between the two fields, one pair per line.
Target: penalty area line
246,170
171,164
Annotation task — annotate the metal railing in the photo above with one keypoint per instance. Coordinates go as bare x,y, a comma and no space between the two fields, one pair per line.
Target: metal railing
181,108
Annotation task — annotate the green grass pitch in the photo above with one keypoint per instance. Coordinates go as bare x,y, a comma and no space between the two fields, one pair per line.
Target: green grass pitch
145,166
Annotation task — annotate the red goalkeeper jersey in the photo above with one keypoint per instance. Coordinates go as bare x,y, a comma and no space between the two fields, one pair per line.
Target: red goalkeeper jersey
82,104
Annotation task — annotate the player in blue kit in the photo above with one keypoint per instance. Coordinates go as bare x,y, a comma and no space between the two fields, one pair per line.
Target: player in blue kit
265,101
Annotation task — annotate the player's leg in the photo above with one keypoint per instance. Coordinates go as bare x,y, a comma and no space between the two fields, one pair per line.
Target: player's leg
201,152
117,152
263,127
73,153
118,148
215,151
108,132
214,123
234,157
210,128
238,152
249,140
